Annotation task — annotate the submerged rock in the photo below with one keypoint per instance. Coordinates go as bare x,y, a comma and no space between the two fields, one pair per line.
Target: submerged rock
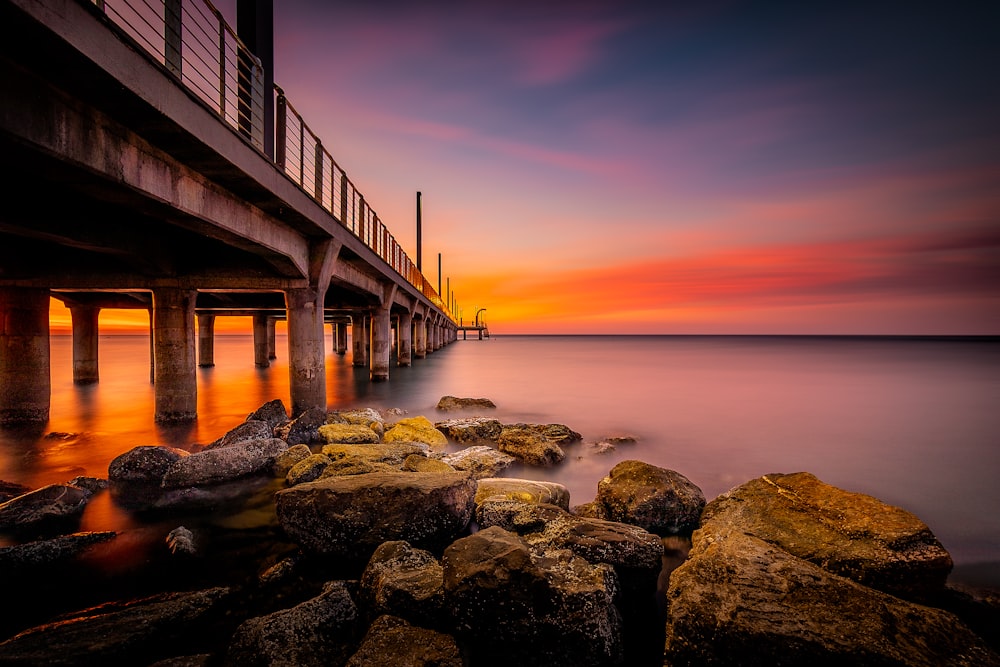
351,516
52,504
448,403
47,552
10,490
660,500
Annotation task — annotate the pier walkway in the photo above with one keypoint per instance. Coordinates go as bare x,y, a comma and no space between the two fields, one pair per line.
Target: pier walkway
152,163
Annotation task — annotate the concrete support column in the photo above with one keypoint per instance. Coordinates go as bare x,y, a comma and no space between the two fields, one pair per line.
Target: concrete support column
420,338
272,349
260,341
206,340
403,333
306,354
359,335
25,383
85,366
341,346
381,344
175,380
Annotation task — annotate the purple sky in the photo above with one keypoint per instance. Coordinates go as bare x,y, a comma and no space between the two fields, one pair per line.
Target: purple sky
621,167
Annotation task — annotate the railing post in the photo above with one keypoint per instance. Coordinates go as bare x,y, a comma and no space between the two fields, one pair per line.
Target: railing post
222,65
280,127
318,172
302,153
343,198
172,35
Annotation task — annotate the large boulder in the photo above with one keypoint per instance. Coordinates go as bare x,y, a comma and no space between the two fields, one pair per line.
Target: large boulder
317,632
143,465
523,490
49,505
529,446
253,429
405,582
738,600
353,434
480,460
416,429
471,429
850,534
351,516
304,429
660,500
557,433
449,403
133,633
223,464
511,606
391,640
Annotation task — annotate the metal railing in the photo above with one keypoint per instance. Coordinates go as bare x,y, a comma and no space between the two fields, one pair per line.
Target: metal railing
192,40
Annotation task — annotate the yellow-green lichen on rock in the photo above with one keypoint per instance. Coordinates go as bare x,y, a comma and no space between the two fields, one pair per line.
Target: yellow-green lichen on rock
416,429
348,433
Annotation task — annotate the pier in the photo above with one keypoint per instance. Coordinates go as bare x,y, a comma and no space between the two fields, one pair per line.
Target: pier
154,164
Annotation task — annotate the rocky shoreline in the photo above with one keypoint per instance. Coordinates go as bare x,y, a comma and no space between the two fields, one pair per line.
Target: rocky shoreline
373,545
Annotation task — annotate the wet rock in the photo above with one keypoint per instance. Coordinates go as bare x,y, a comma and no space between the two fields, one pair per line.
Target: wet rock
223,464
134,633
200,660
308,469
351,516
348,433
146,464
245,432
407,644
404,582
392,453
193,498
356,465
50,551
527,445
523,490
480,460
49,505
92,484
304,429
9,490
288,458
180,541
420,463
850,534
661,501
471,429
448,403
560,434
361,417
415,429
319,632
740,600
591,510
273,413
512,607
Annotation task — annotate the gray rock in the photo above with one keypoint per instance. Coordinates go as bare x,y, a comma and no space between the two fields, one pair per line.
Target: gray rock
661,501
405,582
180,541
272,412
146,464
222,464
304,429
513,607
471,429
50,504
134,633
351,516
407,644
739,600
245,432
317,632
210,497
361,417
448,403
850,534
50,551
480,460
92,484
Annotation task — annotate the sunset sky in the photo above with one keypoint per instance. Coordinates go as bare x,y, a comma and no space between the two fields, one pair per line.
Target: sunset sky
711,167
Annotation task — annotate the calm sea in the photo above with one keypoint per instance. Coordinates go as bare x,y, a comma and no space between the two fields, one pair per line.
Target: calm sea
912,421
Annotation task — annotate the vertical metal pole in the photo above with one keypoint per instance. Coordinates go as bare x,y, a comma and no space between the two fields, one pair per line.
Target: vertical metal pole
420,234
319,172
343,198
172,35
280,135
222,65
